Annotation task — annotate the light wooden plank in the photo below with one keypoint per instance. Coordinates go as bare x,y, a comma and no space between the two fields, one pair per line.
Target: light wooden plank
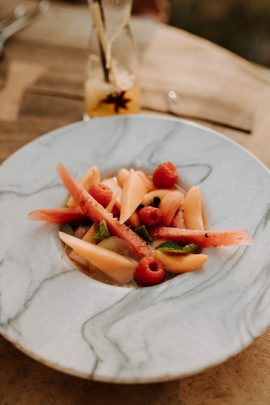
210,84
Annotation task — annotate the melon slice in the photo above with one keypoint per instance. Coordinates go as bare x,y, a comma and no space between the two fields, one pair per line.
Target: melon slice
169,205
76,257
134,189
122,175
90,178
87,237
118,267
113,184
178,220
174,263
160,193
193,209
133,219
149,184
116,245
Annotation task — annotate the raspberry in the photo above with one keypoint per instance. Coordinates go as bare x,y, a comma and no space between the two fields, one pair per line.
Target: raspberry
149,272
150,216
165,175
102,194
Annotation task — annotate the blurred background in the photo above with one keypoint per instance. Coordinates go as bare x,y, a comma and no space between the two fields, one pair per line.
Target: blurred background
242,26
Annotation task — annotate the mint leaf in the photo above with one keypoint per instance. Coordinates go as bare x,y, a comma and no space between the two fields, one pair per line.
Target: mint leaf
143,233
173,247
101,231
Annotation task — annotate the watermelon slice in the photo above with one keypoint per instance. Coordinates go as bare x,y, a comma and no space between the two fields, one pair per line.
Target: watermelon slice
57,215
90,178
203,238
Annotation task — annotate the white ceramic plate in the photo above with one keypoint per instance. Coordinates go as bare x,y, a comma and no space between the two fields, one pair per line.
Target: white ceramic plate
78,325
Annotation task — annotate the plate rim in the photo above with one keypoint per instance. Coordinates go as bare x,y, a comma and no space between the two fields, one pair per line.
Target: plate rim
142,115
120,380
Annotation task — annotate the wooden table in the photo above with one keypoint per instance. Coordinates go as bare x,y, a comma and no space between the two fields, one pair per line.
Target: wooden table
41,88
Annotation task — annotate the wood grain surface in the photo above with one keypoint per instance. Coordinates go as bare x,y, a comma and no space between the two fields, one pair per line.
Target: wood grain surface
41,88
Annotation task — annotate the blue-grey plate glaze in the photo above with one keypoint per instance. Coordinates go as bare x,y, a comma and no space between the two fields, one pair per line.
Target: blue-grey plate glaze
73,323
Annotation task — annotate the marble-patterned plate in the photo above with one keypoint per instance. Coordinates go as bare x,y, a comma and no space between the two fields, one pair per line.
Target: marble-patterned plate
73,323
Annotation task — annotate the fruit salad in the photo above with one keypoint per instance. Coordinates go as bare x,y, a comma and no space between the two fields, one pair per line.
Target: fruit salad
135,228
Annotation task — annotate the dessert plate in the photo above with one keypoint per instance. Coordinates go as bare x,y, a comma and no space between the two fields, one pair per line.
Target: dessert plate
67,320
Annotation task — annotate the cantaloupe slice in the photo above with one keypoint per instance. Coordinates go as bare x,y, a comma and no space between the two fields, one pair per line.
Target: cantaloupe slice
169,205
148,198
113,184
80,231
117,245
192,205
133,192
118,267
76,257
134,217
149,184
175,263
122,176
90,178
87,237
178,220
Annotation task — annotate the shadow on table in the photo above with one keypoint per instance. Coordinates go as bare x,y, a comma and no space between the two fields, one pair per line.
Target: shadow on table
240,380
